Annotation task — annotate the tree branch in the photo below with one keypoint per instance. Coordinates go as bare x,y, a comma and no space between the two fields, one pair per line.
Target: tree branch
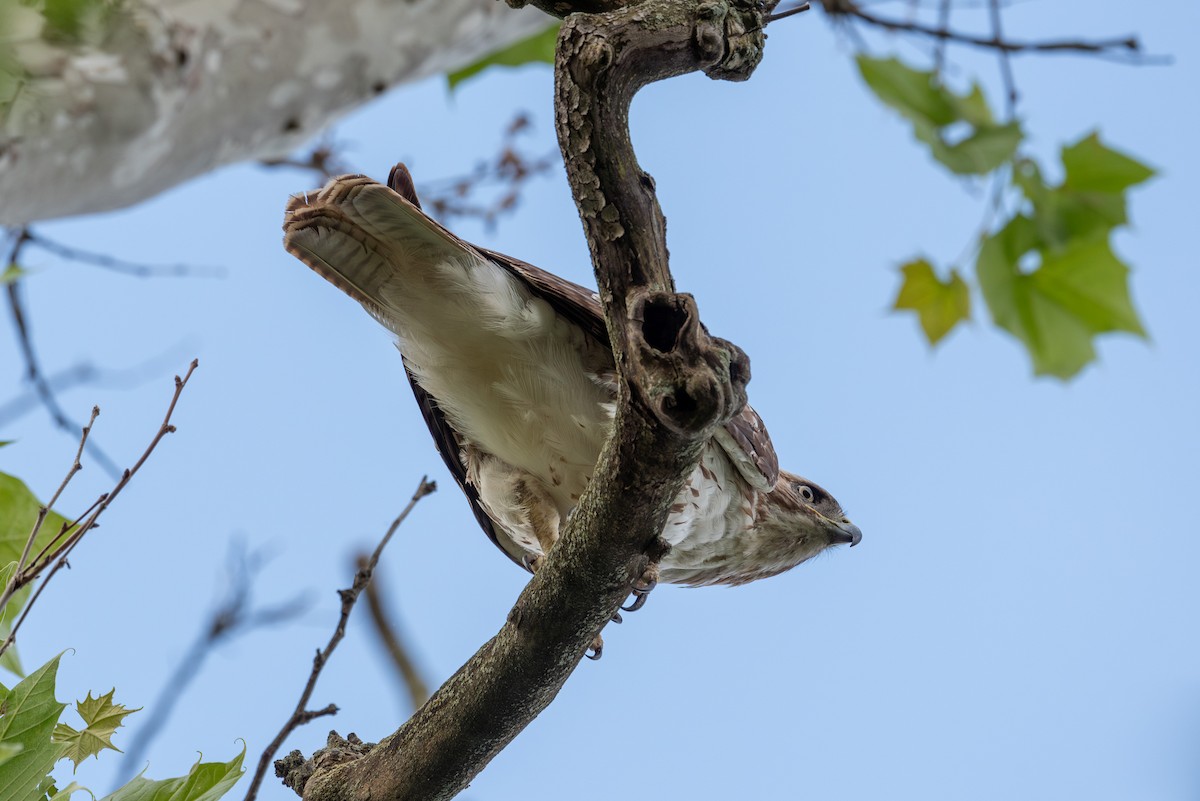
33,371
1128,45
677,385
302,714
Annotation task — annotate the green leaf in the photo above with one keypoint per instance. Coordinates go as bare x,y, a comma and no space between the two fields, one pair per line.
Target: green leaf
101,719
1061,214
983,151
206,781
913,93
1092,167
940,305
11,273
538,48
935,112
28,714
1057,309
18,513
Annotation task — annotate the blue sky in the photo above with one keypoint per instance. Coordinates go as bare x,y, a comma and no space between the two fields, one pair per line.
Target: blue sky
1019,620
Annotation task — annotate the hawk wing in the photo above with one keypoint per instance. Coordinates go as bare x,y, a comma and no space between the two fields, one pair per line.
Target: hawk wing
744,438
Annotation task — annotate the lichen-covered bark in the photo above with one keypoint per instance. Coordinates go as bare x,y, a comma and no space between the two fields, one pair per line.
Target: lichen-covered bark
677,385
169,89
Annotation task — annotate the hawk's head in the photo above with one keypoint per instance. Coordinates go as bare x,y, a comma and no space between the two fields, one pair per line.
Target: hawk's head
810,507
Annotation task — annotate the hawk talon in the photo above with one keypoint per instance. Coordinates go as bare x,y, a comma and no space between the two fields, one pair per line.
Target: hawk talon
596,649
642,587
639,600
531,563
616,618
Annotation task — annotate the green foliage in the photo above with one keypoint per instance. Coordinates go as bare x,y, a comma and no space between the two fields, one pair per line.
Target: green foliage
536,49
27,717
32,740
1048,275
206,781
18,512
101,719
940,305
937,113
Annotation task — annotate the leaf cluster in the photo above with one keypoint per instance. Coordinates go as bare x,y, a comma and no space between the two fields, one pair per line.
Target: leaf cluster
33,740
1048,273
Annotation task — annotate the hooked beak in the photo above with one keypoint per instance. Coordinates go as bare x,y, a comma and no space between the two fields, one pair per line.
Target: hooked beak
847,533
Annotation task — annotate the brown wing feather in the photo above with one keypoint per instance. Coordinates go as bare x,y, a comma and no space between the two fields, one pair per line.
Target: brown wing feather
581,306
574,302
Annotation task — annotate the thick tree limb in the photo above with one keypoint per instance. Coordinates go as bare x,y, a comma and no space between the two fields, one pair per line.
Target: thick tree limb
174,88
677,385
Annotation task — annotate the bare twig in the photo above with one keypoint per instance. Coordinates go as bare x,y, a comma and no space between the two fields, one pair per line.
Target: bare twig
86,373
1127,45
232,617
389,635
65,541
1006,72
362,577
13,584
322,159
33,371
939,53
107,262
508,171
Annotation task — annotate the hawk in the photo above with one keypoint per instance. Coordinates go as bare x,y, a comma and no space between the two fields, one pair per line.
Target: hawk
513,372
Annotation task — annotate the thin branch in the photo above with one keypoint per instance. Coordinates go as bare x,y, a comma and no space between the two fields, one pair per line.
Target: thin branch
13,583
322,159
1006,71
362,577
78,530
122,266
232,617
88,374
389,635
1127,45
33,371
939,53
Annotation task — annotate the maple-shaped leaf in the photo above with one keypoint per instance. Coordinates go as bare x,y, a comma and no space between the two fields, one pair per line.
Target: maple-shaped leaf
940,305
1078,291
101,718
938,115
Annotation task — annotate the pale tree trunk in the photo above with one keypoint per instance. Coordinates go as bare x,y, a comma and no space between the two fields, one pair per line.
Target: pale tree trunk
170,89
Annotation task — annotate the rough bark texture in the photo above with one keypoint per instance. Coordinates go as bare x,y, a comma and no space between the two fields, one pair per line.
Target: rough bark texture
166,90
677,385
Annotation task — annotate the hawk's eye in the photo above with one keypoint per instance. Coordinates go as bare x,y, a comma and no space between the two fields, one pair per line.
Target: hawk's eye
806,492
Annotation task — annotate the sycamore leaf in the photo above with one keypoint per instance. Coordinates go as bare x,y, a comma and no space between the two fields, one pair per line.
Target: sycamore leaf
101,719
18,513
1077,292
537,48
936,112
28,714
4,442
1092,167
206,781
940,305
978,154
